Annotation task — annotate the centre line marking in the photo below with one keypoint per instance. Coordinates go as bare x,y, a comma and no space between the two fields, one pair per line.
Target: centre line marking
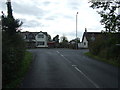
62,55
65,58
87,77
57,51
74,65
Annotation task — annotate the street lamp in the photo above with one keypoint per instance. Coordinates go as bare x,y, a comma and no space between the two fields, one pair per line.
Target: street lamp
76,30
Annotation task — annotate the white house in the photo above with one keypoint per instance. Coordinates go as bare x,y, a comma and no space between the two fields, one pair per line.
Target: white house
84,43
35,39
87,38
41,40
90,37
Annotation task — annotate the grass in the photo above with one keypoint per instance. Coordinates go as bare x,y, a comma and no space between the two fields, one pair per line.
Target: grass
24,68
112,62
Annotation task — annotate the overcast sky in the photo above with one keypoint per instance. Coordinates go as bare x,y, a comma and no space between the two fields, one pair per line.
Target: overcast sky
55,16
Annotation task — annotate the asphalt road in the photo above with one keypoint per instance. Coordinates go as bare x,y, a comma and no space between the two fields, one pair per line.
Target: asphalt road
67,68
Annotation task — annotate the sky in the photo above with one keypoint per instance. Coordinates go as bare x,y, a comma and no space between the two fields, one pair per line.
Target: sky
56,17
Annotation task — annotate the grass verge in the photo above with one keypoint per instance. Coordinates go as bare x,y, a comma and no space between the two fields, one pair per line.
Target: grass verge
112,62
24,68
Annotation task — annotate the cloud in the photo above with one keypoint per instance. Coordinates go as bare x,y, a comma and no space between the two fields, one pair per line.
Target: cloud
51,18
27,9
32,23
68,17
2,5
55,16
46,3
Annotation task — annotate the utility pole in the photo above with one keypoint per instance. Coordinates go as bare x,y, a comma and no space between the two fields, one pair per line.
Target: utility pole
76,30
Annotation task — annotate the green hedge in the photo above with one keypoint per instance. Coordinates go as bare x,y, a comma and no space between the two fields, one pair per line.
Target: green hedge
13,52
25,64
105,47
112,62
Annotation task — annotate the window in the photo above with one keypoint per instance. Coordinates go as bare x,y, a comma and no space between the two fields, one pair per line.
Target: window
30,36
25,37
40,36
40,43
84,43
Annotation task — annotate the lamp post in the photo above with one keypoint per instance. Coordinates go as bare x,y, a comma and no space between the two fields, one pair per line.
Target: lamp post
76,30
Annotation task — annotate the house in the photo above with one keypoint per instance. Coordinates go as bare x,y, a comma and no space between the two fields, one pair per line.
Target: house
35,39
88,37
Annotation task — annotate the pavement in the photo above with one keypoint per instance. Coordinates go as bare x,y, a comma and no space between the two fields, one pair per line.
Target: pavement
68,68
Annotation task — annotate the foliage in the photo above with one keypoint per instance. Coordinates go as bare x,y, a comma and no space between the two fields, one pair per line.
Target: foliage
13,47
73,44
10,25
12,55
102,59
64,42
49,38
25,63
56,38
64,39
105,46
108,12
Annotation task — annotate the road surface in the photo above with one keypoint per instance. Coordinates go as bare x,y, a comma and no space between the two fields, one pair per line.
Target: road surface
67,68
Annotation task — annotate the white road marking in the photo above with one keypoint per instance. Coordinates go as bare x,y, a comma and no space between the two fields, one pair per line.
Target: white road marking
61,55
74,65
87,77
57,51
79,71
65,58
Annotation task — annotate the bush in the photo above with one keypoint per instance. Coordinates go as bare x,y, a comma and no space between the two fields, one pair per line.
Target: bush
13,49
105,47
96,46
72,46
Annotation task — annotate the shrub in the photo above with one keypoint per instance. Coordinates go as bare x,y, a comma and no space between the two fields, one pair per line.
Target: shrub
13,49
105,47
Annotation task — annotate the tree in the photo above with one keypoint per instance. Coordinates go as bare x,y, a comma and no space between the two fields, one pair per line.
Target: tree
56,38
9,24
64,39
13,47
64,42
108,12
49,37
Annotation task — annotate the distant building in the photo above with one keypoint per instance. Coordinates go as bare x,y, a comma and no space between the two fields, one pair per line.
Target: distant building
35,39
89,37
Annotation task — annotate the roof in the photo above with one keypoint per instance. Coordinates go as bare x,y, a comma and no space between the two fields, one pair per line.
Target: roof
32,34
92,35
